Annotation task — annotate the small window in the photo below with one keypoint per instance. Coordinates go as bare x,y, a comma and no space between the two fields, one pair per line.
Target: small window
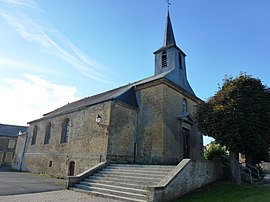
180,60
50,163
48,133
34,136
8,157
11,144
164,59
65,130
184,105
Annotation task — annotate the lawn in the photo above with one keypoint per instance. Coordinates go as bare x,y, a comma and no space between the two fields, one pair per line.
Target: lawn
228,192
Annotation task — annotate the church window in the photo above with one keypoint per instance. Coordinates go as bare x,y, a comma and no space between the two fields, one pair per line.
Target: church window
48,133
184,105
164,59
34,136
65,130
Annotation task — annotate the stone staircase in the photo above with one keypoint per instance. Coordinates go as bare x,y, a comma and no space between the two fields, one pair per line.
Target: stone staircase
123,182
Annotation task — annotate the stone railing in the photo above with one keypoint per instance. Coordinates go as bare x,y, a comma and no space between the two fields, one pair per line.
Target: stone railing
187,176
71,180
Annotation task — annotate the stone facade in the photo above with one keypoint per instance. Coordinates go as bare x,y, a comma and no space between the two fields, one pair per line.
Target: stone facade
8,141
146,122
7,148
86,144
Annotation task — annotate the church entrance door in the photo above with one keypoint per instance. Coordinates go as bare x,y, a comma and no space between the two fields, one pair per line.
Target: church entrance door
186,143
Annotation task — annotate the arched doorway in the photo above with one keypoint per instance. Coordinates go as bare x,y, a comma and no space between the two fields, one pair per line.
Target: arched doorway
71,168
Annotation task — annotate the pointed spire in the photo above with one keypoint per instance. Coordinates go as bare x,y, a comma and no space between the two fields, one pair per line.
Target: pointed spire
168,35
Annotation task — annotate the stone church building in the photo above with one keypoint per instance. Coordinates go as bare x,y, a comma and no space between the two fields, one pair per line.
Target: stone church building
145,122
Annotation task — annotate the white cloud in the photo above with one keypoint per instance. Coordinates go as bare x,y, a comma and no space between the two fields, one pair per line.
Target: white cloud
23,100
25,18
7,63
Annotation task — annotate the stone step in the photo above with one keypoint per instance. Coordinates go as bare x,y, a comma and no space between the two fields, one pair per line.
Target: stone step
125,182
127,177
111,191
114,187
119,180
142,167
126,172
134,170
100,181
110,196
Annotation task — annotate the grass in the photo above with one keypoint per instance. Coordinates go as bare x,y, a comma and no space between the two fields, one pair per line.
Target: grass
229,192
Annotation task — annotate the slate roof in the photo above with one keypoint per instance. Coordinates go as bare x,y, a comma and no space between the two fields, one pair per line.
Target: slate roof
168,34
11,130
125,94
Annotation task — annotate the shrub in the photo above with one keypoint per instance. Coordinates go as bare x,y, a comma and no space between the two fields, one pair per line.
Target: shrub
214,150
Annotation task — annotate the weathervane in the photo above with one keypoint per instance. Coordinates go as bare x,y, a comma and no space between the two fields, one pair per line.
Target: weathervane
168,2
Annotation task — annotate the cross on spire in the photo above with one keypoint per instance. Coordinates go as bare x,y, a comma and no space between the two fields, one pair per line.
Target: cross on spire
168,2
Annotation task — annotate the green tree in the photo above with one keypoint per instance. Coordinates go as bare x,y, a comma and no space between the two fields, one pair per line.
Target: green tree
238,117
214,150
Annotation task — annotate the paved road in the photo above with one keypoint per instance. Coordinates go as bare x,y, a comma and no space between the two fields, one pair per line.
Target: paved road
28,187
22,183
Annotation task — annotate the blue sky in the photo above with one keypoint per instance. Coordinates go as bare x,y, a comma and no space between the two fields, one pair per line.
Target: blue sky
55,52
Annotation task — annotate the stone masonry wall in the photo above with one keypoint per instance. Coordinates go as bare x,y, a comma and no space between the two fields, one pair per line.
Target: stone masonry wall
173,138
150,125
86,146
186,177
122,133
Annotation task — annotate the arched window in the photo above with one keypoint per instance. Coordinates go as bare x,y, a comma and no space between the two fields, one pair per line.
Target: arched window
34,136
164,59
48,133
184,105
65,128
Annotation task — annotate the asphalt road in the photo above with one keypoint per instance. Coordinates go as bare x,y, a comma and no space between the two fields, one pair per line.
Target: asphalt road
13,183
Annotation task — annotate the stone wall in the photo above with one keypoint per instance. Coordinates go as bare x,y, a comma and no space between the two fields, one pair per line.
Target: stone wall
187,176
150,124
159,129
173,124
122,133
17,162
86,146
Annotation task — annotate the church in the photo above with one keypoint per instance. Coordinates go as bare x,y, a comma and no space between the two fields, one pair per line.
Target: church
145,122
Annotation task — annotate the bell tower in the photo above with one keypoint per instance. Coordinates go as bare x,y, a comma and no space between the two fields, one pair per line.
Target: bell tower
171,59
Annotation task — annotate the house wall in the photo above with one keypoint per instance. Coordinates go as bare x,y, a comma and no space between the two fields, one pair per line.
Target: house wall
86,146
7,149
17,162
122,133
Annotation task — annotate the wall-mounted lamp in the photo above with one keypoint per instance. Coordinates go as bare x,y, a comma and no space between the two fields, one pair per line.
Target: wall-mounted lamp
98,119
67,159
